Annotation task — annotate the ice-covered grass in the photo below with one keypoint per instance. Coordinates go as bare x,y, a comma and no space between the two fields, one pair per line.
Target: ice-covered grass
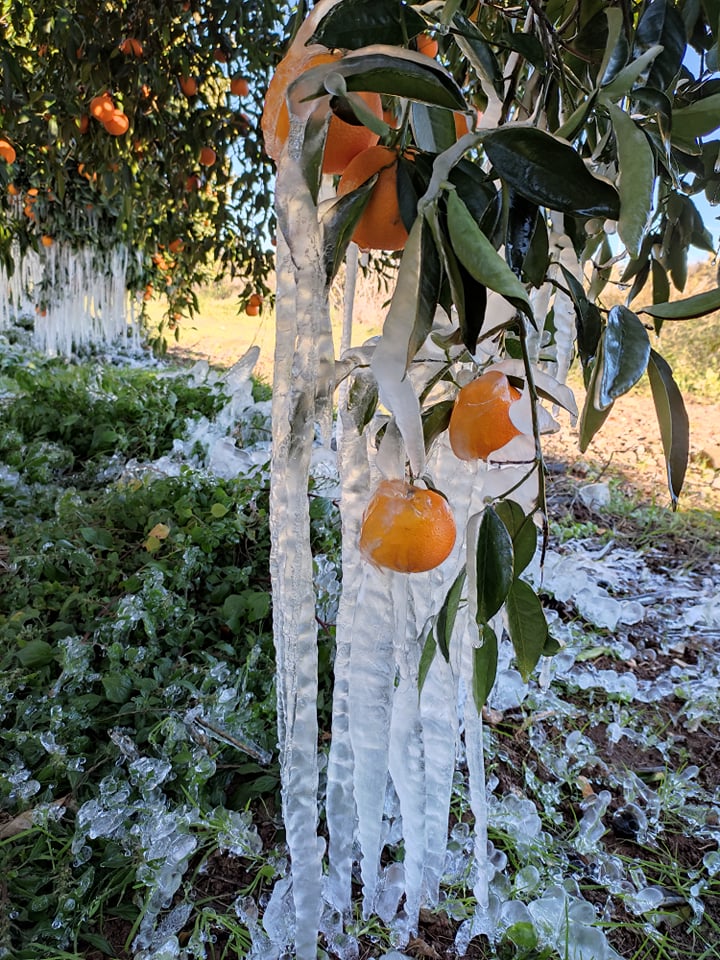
138,781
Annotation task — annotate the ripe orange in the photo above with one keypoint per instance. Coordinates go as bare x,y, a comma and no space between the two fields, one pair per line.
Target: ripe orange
147,295
239,87
12,190
102,106
480,422
189,86
252,309
46,240
131,47
7,151
83,123
255,300
29,212
192,183
207,156
344,140
427,45
117,123
175,246
406,528
380,226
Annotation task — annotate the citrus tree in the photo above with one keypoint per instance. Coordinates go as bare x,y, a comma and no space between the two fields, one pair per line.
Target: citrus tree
522,163
136,125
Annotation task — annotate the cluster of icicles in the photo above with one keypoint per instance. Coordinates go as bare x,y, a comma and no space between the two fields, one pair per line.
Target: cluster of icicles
383,732
75,298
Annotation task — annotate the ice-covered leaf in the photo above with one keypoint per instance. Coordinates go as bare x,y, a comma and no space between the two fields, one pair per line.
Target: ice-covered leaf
448,612
617,48
695,306
480,258
494,562
480,54
435,420
390,360
636,167
588,320
351,24
311,158
673,420
527,626
592,419
629,75
485,660
521,220
549,171
626,350
661,25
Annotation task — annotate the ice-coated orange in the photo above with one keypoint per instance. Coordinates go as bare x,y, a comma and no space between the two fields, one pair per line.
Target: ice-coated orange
480,421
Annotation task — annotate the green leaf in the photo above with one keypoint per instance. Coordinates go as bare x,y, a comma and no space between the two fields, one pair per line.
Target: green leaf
697,120
617,49
661,24
386,70
351,24
523,935
660,285
695,306
636,167
338,220
522,530
537,259
433,127
249,606
588,320
426,658
527,626
522,215
629,75
626,351
117,687
494,565
549,171
673,421
218,510
485,660
436,420
475,48
592,419
35,653
480,258
448,613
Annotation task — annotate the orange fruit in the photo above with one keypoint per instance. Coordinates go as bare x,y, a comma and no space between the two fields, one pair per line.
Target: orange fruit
380,226
255,299
427,45
252,309
239,87
7,151
117,123
220,55
12,190
406,528
189,86
46,240
147,295
192,183
83,123
344,140
131,47
102,106
175,246
207,156
480,421
29,212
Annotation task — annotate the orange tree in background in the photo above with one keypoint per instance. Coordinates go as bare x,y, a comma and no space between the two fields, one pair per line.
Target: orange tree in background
138,123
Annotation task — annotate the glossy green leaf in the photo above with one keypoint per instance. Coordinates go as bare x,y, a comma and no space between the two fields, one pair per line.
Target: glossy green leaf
479,194
636,167
617,48
448,613
576,121
433,127
35,653
480,258
527,626
426,658
436,420
421,276
660,284
629,75
351,24
311,158
626,351
485,659
697,120
480,54
537,259
338,221
472,317
494,560
673,421
588,321
592,419
384,69
661,24
521,219
695,306
549,171
522,530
